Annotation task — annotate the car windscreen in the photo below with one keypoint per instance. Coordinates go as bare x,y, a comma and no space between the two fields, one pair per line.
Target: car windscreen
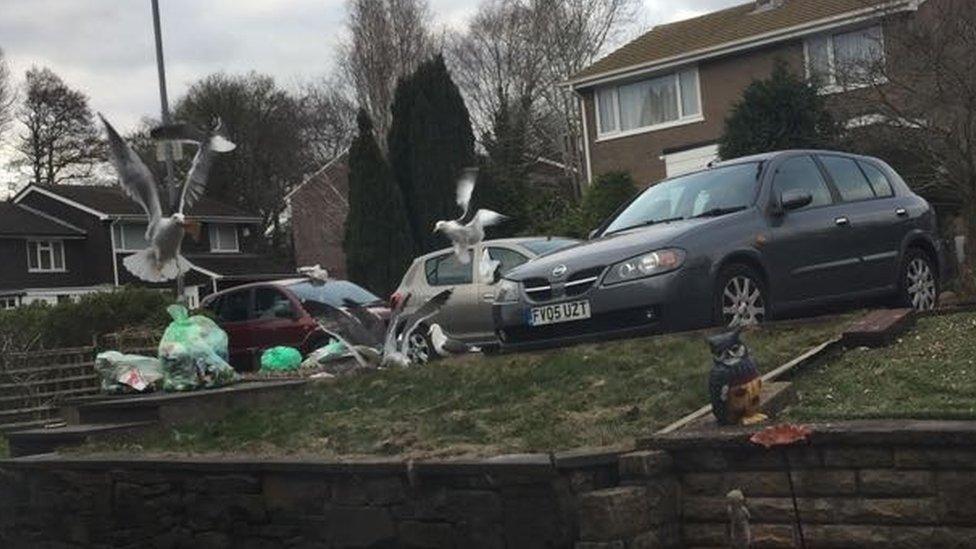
333,293
711,192
542,247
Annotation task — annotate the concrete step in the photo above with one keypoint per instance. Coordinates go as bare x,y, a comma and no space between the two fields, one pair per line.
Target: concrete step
30,442
879,328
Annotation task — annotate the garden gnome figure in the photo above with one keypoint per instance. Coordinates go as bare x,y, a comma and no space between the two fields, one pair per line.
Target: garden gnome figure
740,535
734,384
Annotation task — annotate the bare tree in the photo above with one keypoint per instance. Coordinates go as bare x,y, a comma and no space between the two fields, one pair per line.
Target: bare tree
923,98
61,142
388,39
329,118
576,33
8,95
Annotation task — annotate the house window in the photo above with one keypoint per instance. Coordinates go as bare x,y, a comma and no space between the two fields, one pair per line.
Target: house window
130,237
223,238
845,60
648,104
45,256
8,302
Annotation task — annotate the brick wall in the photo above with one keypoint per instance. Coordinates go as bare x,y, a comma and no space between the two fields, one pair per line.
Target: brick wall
318,216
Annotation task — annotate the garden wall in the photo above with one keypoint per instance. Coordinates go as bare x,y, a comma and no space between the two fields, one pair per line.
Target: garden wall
860,484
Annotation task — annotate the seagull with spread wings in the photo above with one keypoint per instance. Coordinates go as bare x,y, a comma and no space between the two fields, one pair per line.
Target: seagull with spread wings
465,235
161,260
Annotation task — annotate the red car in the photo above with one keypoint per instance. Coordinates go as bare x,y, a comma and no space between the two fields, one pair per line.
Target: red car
267,314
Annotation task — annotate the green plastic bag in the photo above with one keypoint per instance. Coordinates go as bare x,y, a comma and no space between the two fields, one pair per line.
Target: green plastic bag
193,352
280,359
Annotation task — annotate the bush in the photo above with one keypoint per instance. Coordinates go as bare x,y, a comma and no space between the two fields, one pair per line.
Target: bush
607,193
76,324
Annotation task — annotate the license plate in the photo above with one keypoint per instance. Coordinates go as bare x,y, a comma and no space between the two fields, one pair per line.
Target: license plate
562,312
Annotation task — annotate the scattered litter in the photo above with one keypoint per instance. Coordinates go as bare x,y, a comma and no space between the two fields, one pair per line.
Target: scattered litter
122,373
335,350
280,359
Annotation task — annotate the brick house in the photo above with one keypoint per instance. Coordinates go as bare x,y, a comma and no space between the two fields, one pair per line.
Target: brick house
317,209
60,242
656,107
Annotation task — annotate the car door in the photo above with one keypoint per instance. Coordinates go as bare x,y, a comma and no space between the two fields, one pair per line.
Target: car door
458,318
483,326
233,311
275,320
870,222
893,225
809,249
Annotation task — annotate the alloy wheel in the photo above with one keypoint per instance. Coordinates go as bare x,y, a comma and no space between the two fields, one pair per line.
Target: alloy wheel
742,302
920,285
418,349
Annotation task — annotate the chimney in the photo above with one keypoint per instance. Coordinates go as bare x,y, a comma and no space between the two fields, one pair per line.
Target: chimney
766,5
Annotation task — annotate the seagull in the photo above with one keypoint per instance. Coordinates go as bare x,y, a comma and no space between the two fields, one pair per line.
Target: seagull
443,345
315,273
461,235
162,260
396,351
488,266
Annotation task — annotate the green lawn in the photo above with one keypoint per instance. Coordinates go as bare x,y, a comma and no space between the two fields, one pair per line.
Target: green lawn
929,373
584,396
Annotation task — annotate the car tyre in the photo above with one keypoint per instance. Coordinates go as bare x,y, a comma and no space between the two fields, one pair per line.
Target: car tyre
420,348
918,282
741,297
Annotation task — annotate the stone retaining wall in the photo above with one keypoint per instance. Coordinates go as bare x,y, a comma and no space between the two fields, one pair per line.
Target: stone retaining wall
860,484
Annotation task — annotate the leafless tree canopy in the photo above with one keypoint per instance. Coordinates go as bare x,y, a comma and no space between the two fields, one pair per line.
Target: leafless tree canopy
518,52
8,95
61,142
388,39
329,118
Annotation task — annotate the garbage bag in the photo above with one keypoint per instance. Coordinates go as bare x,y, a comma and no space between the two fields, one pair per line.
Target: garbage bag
323,355
278,359
193,353
121,373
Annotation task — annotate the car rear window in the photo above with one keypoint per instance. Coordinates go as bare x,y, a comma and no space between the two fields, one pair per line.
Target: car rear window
879,182
333,292
848,178
542,247
446,270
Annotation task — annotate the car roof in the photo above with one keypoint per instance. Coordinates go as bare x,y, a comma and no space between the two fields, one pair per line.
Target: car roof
519,240
773,154
283,282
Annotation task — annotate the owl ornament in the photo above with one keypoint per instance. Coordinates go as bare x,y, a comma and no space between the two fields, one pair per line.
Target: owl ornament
734,385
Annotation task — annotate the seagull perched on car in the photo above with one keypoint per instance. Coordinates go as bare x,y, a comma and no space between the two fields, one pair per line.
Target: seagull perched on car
465,235
162,261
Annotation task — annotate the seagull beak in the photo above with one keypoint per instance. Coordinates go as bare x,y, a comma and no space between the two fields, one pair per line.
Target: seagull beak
192,227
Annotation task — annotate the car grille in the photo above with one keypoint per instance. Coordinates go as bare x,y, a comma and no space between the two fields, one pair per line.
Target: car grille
605,322
581,281
538,289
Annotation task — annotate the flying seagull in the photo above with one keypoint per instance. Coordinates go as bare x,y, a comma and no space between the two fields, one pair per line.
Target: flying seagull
161,261
464,235
396,350
444,345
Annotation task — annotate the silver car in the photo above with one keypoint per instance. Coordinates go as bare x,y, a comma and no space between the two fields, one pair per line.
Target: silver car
467,316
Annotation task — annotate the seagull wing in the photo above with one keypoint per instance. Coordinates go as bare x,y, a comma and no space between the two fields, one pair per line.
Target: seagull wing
353,349
486,218
196,178
393,327
425,312
135,178
371,323
465,188
336,320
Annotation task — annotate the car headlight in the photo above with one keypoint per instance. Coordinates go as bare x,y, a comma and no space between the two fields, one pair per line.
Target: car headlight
507,291
642,266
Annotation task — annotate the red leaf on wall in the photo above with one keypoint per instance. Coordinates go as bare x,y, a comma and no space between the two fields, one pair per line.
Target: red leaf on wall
783,434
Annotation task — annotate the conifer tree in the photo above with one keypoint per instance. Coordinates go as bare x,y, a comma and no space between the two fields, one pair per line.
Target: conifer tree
378,243
430,143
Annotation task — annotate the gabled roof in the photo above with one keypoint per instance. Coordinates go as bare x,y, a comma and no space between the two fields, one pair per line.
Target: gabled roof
20,221
109,201
732,29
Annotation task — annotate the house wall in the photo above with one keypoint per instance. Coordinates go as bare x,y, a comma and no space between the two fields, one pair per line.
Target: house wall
96,250
318,218
14,274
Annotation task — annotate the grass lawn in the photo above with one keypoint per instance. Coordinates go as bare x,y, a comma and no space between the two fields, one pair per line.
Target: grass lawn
929,373
584,396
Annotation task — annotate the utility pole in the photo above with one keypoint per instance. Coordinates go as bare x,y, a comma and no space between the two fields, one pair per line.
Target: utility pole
172,191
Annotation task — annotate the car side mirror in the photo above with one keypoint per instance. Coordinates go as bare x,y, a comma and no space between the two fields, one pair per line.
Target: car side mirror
794,200
592,234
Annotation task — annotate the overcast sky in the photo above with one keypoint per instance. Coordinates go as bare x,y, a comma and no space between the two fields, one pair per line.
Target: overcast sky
105,47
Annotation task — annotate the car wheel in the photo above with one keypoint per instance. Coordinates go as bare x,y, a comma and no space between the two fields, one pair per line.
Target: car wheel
918,284
740,297
420,349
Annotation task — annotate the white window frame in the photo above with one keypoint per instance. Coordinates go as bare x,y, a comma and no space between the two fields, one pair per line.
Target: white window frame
831,86
120,244
47,245
680,121
9,303
215,239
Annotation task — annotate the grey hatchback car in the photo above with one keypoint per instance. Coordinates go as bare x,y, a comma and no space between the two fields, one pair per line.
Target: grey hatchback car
737,243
